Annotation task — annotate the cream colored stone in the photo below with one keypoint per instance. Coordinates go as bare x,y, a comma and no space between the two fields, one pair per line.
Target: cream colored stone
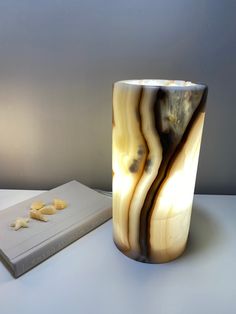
155,156
59,204
48,210
170,219
37,205
128,165
35,214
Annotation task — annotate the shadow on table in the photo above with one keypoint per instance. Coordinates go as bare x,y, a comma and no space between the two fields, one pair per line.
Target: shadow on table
205,232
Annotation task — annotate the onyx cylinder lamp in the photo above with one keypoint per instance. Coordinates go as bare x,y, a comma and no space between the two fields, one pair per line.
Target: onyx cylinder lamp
156,139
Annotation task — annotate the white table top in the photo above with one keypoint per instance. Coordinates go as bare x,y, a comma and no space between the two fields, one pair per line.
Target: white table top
92,276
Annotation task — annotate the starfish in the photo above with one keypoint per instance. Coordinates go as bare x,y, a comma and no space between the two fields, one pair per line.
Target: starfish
20,223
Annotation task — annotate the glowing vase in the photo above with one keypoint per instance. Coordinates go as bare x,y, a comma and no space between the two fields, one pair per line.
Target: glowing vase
157,130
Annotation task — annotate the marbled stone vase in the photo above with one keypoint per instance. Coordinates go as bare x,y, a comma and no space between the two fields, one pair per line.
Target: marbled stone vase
157,130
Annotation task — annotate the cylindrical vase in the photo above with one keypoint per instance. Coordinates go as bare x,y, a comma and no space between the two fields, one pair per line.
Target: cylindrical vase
156,138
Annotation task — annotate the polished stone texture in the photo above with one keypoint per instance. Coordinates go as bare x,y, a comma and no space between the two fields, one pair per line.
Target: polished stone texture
157,130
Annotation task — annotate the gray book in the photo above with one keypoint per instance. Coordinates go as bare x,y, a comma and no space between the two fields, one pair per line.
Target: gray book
23,249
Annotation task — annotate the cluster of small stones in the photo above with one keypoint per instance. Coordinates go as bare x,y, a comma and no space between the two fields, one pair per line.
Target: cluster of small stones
39,210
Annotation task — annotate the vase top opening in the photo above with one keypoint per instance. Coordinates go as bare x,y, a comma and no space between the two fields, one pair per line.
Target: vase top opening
164,83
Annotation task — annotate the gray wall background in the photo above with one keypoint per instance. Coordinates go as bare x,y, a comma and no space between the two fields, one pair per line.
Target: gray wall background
58,60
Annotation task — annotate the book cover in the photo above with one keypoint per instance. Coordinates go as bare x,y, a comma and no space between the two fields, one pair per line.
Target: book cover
24,249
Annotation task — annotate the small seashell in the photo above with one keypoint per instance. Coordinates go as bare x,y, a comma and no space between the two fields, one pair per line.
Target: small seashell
59,204
48,210
37,205
35,214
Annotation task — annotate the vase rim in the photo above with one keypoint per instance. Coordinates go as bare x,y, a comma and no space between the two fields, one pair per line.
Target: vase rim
172,84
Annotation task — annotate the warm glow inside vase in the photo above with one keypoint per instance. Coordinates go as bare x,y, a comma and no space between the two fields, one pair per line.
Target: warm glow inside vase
157,130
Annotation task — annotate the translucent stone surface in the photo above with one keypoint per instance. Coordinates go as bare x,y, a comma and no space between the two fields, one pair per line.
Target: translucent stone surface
157,129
